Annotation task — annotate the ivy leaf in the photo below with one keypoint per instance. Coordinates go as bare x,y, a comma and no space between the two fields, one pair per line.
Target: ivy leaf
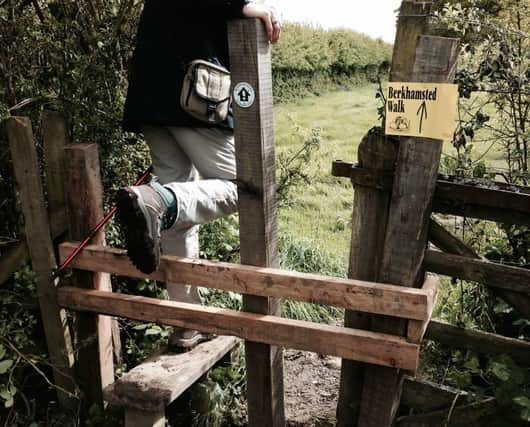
501,371
523,401
5,365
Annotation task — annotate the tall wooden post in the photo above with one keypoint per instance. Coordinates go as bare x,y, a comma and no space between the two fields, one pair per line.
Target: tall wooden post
37,229
250,63
95,366
370,215
434,60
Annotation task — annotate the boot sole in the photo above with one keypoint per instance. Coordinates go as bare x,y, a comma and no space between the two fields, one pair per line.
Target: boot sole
140,246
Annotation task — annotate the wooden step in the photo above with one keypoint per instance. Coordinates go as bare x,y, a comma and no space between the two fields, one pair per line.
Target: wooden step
146,390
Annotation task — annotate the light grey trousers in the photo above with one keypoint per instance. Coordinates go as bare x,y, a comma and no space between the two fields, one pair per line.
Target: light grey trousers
180,156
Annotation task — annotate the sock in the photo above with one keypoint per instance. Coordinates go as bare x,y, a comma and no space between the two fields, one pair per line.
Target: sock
170,200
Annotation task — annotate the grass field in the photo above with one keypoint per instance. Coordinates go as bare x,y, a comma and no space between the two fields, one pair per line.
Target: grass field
320,212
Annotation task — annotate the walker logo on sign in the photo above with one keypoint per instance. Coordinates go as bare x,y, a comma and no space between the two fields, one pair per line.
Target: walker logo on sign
244,95
426,110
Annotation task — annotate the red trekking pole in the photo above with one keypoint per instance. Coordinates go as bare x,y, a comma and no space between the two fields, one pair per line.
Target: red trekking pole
96,228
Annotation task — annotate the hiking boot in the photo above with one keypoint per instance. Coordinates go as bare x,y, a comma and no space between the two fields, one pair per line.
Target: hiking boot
141,212
185,339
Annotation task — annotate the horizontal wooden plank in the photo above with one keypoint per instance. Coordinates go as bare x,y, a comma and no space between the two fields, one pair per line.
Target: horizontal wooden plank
347,293
426,396
476,414
158,381
470,197
479,341
478,270
354,344
416,328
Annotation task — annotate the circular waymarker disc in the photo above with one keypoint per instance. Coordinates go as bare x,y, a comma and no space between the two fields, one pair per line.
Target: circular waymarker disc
244,95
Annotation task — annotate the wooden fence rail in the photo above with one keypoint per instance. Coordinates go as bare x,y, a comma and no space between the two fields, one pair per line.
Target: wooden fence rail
369,297
494,201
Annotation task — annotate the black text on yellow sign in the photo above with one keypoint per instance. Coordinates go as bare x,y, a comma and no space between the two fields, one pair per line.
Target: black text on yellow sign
427,110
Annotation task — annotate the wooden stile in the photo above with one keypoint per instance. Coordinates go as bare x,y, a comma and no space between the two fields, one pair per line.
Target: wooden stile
250,62
416,58
266,282
366,346
37,230
95,367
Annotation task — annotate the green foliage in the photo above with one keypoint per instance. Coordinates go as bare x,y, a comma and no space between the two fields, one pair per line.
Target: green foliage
310,60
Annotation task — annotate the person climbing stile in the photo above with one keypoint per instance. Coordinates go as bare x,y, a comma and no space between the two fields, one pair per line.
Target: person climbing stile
164,215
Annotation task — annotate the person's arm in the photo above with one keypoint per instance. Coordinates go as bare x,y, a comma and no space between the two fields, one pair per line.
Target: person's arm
230,9
268,15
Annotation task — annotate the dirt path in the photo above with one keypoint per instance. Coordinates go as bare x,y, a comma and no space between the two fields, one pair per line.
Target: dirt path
311,384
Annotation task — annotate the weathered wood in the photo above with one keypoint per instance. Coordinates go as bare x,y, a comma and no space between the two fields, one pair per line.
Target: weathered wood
406,234
479,341
17,255
368,233
416,328
478,270
472,198
157,382
447,242
37,230
55,137
139,418
347,293
250,61
366,346
477,414
426,396
95,365
483,200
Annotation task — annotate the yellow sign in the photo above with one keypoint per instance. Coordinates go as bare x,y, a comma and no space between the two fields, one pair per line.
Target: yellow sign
426,110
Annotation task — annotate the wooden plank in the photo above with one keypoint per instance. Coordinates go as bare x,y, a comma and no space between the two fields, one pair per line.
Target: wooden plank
488,201
347,293
157,382
139,418
477,414
479,341
366,346
426,396
17,255
447,242
368,233
250,62
55,137
478,270
416,328
472,198
406,235
37,230
93,333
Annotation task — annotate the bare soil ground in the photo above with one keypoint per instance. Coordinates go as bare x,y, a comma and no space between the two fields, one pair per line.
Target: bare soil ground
311,384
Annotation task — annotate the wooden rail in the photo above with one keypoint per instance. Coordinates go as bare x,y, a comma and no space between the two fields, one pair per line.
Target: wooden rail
478,270
359,295
473,198
365,346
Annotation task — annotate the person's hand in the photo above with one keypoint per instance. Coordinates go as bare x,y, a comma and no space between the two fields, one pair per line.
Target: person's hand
268,15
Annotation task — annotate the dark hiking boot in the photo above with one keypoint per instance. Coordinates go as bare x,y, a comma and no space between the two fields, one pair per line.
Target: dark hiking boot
182,340
140,212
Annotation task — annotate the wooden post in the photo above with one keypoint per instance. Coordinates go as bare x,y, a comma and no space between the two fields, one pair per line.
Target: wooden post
414,183
37,230
250,62
85,206
370,214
